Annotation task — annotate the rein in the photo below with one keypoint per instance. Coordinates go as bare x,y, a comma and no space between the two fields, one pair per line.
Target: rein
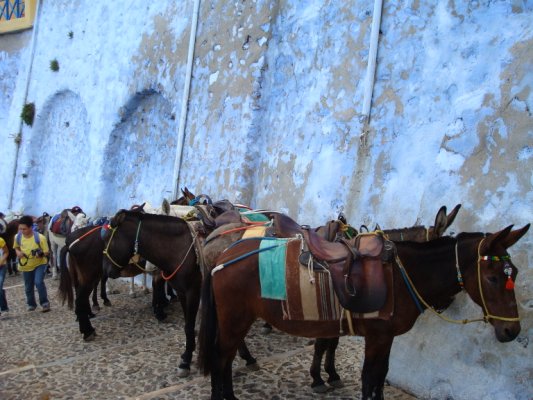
417,297
96,228
167,278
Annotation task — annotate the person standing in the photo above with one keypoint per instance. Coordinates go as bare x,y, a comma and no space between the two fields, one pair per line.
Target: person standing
32,252
4,254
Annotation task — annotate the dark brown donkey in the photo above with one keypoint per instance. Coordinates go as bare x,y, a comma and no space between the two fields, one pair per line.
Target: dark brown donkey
417,233
231,298
84,249
167,242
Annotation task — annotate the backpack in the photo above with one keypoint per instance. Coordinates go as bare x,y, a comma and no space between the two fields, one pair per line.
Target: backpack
18,238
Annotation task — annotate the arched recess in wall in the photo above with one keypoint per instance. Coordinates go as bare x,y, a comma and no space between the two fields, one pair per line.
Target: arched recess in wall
59,155
139,157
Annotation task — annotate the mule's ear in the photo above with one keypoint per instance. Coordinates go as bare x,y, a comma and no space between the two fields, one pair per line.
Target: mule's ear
440,222
514,236
497,237
118,218
452,215
166,207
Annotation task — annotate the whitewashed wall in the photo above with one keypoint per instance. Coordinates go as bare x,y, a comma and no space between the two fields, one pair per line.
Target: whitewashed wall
274,121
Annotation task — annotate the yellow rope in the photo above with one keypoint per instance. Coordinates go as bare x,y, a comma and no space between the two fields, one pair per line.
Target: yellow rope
486,316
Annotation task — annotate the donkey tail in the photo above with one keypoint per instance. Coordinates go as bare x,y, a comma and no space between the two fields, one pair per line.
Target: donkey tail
207,336
66,292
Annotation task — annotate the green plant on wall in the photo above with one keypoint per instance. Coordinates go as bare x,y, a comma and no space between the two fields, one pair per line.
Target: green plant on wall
28,113
54,65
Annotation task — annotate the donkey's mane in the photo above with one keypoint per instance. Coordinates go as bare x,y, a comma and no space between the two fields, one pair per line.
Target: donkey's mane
172,224
406,229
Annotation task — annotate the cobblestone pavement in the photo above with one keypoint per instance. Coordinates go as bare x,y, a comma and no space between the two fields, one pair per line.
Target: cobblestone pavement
42,356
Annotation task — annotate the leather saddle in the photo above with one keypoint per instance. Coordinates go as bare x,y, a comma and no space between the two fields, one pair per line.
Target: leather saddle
356,266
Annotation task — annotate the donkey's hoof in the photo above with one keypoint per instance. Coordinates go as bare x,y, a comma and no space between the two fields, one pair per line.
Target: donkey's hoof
183,372
253,367
336,384
90,337
96,307
107,303
321,388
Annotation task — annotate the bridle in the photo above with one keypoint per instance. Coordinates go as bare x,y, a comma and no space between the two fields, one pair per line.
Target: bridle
486,314
507,271
133,260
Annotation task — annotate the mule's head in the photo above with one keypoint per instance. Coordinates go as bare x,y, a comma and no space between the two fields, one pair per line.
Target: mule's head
185,199
120,241
490,283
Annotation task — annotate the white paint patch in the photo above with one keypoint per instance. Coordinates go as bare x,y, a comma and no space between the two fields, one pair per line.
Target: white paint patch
213,78
449,161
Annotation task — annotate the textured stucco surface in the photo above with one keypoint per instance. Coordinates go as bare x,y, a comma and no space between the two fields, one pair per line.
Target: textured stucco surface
274,121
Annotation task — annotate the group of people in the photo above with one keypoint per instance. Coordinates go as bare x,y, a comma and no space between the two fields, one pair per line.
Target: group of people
32,252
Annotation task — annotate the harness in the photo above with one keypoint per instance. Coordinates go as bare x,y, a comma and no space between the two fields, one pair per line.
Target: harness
486,314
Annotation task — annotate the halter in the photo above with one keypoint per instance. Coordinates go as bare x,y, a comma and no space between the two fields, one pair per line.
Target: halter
486,315
135,249
508,270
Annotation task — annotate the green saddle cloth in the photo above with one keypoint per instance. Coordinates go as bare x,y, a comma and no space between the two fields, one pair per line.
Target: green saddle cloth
272,269
253,216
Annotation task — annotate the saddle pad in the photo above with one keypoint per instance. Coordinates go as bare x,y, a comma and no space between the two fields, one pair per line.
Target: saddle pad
310,294
252,216
272,269
254,231
181,211
56,226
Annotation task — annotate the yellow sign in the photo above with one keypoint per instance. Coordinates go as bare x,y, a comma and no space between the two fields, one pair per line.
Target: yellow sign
17,24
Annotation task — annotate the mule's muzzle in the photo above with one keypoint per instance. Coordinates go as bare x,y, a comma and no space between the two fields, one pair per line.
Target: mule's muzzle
507,332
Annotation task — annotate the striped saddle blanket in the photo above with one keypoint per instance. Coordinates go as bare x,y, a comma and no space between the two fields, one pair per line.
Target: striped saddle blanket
306,294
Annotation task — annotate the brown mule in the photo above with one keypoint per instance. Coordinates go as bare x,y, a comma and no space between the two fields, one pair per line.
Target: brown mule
232,301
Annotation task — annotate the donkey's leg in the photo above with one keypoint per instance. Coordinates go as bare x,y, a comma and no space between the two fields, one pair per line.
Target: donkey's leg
228,380
55,264
96,306
159,299
376,365
132,287
103,291
318,385
83,309
244,353
94,297
190,303
334,380
145,285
